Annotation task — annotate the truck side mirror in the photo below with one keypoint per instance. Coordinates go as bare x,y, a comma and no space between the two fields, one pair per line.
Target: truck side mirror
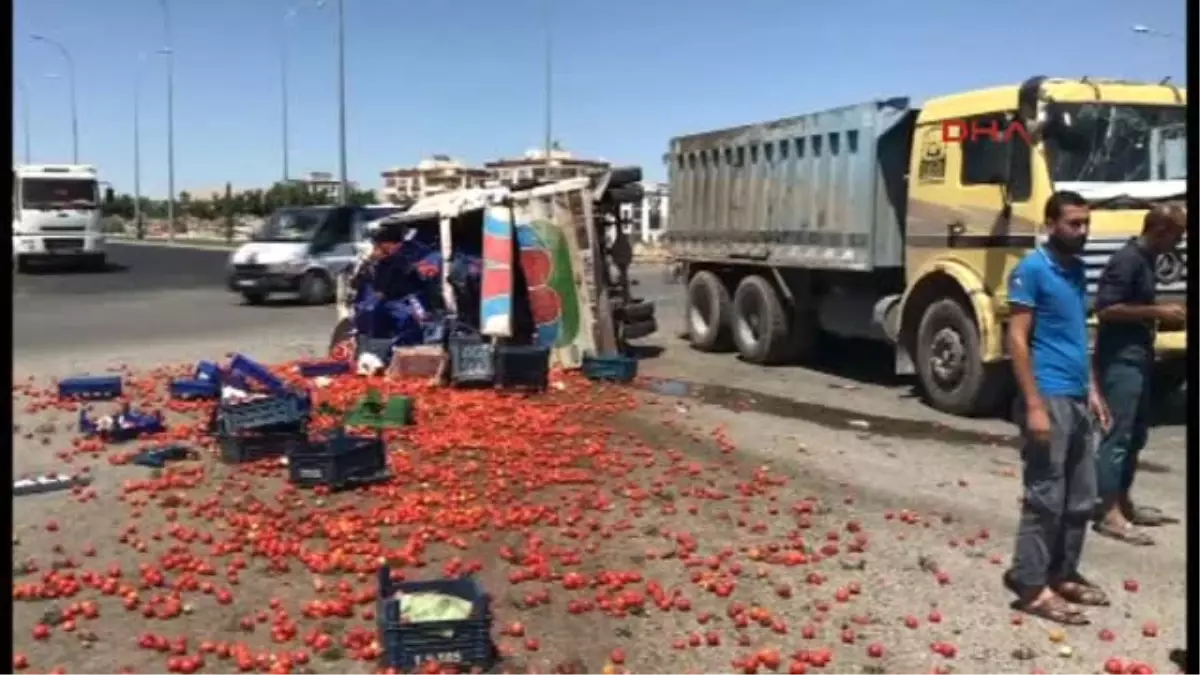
109,197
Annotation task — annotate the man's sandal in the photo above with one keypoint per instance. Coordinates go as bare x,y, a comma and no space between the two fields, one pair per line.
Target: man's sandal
1055,609
1080,591
1126,533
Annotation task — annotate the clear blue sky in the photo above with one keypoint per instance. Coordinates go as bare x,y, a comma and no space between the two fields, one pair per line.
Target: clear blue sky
464,77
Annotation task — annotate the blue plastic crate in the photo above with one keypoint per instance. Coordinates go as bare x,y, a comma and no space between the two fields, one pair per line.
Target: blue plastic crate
466,644
207,370
194,389
94,387
260,413
339,461
324,368
251,370
252,446
522,366
126,425
471,360
610,368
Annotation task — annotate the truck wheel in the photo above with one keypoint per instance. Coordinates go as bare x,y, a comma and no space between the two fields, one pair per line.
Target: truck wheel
341,341
708,313
760,322
316,289
22,265
254,297
953,377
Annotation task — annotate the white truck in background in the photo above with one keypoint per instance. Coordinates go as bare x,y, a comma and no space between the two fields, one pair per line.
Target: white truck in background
56,215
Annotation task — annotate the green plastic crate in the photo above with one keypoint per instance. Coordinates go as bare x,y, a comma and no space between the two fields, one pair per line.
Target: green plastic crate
372,412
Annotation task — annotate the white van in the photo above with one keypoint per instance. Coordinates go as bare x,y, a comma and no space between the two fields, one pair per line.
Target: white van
300,250
56,215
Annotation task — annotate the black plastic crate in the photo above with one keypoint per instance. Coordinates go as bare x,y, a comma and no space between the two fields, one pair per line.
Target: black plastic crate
339,461
262,413
522,366
251,446
471,361
466,644
616,368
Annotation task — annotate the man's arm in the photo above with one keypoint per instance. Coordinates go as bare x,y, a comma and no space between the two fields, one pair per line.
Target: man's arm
1020,325
1022,298
1114,291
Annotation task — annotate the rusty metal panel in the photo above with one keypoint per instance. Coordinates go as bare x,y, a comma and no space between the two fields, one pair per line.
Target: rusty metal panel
805,191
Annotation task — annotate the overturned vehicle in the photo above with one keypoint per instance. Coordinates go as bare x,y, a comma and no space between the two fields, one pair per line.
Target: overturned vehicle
538,267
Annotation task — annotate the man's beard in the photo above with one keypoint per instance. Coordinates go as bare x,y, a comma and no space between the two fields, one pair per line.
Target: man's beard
1068,245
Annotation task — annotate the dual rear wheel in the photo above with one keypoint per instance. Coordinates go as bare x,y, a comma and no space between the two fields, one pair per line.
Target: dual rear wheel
765,330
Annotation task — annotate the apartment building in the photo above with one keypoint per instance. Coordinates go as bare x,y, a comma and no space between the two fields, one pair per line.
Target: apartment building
430,176
646,220
533,166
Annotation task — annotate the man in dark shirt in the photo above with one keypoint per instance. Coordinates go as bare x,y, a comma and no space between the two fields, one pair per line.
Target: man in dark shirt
1048,342
1128,312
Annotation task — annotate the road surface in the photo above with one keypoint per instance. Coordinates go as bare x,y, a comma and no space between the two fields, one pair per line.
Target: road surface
928,491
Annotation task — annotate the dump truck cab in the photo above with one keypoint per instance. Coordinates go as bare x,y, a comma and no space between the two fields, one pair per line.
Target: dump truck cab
982,165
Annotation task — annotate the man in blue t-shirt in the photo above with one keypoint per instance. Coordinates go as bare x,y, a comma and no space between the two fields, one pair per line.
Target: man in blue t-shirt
1048,344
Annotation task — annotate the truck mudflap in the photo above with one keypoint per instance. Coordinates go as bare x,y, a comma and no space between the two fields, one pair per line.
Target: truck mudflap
553,238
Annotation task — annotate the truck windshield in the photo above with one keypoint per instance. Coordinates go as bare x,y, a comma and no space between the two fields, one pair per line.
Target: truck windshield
298,224
1122,143
58,193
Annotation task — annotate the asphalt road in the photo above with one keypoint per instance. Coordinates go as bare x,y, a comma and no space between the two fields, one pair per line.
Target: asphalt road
149,294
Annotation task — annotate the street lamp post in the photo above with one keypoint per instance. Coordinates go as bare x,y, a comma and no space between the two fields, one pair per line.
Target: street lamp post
169,52
137,144
25,119
549,83
283,88
344,197
1146,30
74,107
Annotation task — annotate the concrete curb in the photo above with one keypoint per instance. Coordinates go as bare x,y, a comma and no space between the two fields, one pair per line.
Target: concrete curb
204,244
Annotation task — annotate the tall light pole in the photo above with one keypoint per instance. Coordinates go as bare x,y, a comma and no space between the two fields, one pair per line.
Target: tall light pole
137,143
549,83
1146,30
25,118
74,107
168,50
283,86
344,196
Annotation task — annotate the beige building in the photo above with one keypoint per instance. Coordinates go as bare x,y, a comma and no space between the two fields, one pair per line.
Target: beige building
323,181
435,174
533,166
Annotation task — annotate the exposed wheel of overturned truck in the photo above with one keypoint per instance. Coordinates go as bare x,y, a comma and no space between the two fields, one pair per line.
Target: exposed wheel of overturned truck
952,374
761,323
341,344
709,313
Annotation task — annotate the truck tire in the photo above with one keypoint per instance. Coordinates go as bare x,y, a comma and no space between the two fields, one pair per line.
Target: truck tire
22,265
953,377
254,297
708,313
760,322
341,340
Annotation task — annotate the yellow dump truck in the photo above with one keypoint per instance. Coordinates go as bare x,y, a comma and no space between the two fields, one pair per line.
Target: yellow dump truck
887,221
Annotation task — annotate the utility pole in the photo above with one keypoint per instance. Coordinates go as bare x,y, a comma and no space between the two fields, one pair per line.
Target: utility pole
341,22
25,118
283,87
169,51
549,84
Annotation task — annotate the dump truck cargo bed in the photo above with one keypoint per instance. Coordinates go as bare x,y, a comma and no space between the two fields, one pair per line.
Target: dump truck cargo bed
823,191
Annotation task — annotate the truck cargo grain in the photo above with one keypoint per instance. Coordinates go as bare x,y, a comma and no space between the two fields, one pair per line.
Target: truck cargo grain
873,221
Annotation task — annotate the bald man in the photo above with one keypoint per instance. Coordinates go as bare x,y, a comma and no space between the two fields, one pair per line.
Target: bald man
1129,315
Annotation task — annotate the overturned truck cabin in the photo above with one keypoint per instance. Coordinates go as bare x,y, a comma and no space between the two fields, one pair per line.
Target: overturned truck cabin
543,265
